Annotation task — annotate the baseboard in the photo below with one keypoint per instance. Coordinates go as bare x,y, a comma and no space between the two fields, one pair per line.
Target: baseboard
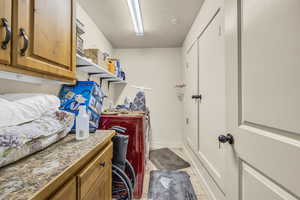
206,180
157,145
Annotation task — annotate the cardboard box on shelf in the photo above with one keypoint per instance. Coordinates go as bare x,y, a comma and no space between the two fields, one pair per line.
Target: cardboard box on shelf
96,55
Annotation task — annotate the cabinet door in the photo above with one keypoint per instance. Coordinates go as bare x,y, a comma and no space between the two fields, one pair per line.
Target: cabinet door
102,187
5,31
263,99
67,192
94,181
212,121
47,27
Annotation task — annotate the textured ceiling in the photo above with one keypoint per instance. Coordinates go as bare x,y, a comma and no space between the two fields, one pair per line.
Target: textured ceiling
113,19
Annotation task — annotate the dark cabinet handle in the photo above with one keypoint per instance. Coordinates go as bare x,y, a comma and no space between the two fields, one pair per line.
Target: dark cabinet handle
26,42
197,97
7,34
102,164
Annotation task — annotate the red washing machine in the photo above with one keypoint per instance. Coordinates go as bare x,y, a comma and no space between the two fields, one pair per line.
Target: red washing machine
135,126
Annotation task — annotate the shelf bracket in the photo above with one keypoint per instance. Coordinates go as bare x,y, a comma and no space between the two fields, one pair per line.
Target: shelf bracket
112,81
80,66
103,78
96,73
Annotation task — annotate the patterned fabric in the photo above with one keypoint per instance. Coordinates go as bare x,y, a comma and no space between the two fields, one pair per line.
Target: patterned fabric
139,102
19,141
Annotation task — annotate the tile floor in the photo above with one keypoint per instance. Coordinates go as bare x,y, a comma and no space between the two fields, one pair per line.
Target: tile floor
195,179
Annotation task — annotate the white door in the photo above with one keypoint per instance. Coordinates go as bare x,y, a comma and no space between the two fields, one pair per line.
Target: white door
212,122
191,110
263,82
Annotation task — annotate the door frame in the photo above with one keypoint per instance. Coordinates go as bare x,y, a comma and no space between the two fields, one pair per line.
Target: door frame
232,62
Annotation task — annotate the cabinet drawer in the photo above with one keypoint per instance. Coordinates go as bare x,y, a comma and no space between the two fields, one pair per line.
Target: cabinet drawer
96,168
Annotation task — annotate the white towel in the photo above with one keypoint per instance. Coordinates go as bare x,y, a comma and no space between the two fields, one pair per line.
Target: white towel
26,109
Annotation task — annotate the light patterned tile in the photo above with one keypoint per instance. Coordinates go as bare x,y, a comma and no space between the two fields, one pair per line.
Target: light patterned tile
202,197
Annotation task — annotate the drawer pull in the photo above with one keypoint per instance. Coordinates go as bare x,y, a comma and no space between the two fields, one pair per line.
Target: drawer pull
8,33
102,164
26,41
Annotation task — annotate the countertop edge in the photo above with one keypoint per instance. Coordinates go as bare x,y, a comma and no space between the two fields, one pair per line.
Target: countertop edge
67,174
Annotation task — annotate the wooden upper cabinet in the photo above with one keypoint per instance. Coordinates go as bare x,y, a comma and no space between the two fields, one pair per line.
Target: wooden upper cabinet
5,31
44,36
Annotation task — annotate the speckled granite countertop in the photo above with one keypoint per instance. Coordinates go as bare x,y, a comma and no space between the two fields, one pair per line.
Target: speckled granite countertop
21,180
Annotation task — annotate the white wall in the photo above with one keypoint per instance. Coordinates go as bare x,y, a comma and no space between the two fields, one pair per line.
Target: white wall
93,37
159,69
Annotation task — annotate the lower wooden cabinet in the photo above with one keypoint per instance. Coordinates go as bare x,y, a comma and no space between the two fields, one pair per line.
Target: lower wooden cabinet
67,192
101,188
92,182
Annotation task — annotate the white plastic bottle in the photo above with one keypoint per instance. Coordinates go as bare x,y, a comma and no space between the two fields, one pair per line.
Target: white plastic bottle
82,124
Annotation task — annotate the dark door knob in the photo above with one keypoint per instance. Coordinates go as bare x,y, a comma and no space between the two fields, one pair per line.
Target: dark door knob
226,138
197,97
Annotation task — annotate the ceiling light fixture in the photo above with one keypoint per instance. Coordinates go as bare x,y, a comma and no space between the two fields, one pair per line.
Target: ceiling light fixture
136,16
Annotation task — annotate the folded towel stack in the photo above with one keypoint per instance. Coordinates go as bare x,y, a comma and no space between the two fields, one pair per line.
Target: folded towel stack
29,123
